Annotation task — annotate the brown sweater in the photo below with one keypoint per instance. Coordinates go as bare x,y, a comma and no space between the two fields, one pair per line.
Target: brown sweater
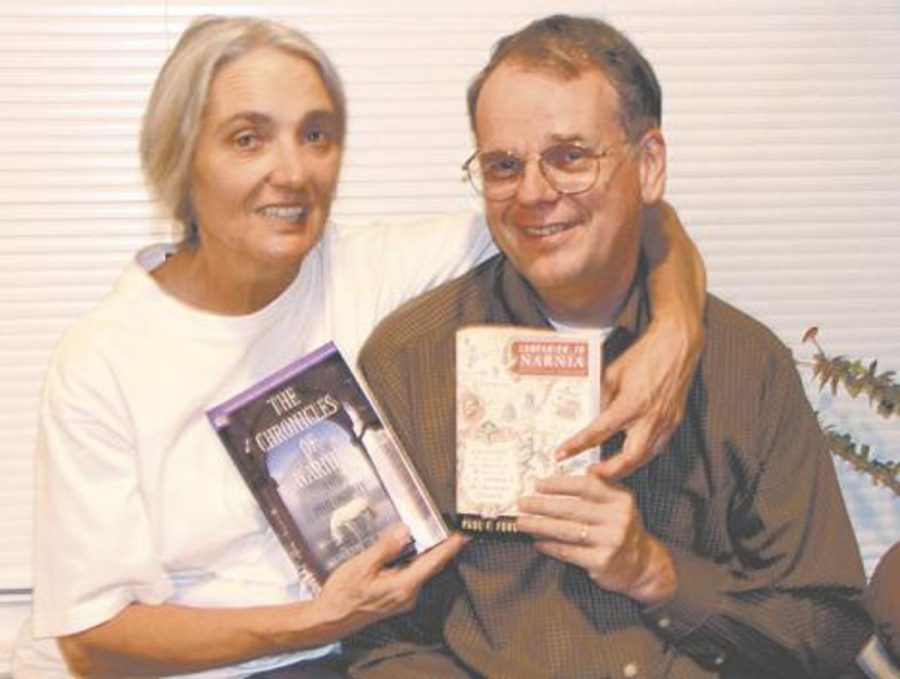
745,497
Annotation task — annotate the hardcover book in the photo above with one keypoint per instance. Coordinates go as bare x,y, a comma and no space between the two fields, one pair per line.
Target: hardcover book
520,392
327,472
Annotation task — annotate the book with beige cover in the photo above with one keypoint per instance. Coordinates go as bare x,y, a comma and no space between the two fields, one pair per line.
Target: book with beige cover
520,392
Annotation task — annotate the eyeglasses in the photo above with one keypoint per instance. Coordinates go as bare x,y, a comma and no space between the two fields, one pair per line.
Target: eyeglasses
568,168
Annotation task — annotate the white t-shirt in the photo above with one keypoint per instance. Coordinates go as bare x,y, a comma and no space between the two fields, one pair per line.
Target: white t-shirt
136,499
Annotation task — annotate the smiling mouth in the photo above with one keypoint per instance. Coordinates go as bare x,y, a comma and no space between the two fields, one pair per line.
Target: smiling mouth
289,213
548,229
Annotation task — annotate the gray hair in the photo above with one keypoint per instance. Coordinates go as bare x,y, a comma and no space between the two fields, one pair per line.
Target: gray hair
175,109
568,45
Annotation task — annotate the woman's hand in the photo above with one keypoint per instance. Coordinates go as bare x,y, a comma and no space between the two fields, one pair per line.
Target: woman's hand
645,389
644,393
365,589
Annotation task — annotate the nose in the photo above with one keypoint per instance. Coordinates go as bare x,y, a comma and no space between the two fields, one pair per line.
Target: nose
534,187
288,167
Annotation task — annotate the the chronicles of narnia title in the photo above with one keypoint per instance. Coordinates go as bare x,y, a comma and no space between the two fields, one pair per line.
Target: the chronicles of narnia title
327,473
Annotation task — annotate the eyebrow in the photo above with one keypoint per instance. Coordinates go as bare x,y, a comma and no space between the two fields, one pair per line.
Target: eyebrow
554,139
567,138
326,116
262,119
248,116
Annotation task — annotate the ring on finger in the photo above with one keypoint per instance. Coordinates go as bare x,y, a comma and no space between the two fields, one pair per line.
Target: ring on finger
583,535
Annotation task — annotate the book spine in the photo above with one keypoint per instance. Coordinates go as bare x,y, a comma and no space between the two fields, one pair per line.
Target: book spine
472,523
417,493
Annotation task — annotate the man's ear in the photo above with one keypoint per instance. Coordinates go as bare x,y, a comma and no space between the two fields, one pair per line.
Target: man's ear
653,166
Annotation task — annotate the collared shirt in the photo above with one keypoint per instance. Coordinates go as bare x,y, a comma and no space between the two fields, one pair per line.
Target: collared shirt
745,497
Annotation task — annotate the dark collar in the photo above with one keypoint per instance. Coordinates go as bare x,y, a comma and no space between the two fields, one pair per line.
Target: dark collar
519,304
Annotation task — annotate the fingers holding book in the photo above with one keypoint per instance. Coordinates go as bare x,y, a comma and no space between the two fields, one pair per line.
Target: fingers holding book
371,586
595,524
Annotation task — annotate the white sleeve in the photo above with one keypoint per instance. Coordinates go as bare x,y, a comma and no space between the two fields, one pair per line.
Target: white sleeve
408,257
93,543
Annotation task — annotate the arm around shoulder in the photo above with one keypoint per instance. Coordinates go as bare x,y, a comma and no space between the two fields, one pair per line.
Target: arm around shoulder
645,389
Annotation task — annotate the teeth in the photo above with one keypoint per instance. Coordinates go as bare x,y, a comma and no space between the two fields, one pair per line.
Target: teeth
548,230
290,213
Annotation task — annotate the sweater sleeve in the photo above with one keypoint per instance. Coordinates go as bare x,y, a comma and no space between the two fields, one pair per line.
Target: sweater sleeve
790,600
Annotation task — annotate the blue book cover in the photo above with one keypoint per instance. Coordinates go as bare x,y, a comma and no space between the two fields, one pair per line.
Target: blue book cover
325,470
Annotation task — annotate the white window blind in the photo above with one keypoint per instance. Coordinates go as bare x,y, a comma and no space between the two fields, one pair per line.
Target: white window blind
783,124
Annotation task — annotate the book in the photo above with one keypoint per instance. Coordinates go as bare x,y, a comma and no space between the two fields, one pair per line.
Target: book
520,392
327,472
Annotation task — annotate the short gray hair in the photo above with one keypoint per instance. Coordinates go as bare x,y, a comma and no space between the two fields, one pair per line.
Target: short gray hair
568,45
175,109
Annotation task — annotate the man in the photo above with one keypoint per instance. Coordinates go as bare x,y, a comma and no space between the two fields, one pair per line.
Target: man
732,554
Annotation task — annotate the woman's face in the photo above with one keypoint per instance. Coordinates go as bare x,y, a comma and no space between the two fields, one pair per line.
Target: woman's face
265,165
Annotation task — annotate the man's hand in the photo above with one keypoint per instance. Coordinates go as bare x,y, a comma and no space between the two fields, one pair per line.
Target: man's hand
596,525
365,589
644,393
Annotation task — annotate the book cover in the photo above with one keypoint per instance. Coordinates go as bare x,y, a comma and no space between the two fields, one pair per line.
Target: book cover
520,392
326,471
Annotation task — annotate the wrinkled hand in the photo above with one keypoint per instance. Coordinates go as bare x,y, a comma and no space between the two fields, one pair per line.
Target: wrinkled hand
365,589
644,390
644,394
596,525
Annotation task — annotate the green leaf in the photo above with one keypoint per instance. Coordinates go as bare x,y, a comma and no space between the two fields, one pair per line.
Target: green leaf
835,380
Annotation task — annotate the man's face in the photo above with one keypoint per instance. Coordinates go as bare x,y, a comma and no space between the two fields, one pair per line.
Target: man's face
579,251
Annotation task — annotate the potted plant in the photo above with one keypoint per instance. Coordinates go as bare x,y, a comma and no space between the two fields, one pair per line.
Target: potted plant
858,379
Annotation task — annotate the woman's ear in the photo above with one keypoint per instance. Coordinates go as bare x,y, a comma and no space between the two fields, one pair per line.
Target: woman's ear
653,166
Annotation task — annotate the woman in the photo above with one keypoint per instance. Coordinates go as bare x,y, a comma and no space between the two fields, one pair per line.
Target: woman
242,141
